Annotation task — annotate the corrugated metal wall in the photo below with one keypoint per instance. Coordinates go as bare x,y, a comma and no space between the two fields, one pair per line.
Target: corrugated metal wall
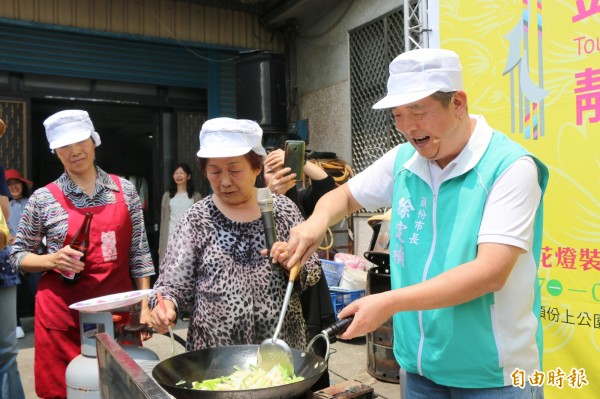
170,19
76,54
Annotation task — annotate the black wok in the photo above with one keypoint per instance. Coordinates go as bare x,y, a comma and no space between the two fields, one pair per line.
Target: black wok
218,362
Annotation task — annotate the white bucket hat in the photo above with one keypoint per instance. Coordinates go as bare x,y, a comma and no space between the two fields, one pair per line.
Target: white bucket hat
228,137
419,73
68,127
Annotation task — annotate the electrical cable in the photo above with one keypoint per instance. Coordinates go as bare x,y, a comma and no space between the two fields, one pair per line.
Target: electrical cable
340,171
337,168
328,243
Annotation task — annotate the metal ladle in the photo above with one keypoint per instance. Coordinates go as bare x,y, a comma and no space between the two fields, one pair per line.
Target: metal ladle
273,351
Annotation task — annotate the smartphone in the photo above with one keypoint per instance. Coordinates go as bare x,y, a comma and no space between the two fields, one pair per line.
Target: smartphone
294,157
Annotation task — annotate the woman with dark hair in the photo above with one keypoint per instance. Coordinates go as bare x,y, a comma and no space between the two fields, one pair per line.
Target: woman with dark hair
213,264
178,199
18,186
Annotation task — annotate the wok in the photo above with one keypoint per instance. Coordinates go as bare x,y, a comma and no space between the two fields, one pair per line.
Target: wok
217,362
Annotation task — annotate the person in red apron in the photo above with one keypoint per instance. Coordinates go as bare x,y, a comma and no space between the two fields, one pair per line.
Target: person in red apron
118,250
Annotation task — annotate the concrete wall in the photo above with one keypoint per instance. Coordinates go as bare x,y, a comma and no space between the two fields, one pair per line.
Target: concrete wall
324,84
324,74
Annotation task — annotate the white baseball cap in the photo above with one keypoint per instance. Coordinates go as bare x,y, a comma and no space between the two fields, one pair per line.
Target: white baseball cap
228,137
68,127
419,73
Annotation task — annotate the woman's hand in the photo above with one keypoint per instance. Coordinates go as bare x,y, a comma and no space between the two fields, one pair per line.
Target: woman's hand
281,182
145,319
66,260
279,254
277,177
275,160
161,318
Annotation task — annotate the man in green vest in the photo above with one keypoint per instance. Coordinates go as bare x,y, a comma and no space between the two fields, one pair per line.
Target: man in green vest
466,234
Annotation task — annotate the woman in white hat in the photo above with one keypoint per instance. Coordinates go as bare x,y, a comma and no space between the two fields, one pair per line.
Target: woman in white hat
213,263
118,250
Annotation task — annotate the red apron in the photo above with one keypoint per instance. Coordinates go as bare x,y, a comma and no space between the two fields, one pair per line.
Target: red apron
57,339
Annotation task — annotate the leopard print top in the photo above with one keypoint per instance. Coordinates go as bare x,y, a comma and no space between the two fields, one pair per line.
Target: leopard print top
213,266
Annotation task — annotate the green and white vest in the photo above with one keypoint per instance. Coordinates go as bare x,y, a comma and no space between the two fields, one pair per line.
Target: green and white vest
459,345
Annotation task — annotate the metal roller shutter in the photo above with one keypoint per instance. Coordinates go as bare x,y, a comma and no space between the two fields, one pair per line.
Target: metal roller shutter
63,51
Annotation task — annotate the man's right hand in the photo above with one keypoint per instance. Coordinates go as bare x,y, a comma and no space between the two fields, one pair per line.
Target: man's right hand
305,239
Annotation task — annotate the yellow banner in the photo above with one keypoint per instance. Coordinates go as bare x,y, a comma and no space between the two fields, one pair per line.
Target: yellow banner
533,70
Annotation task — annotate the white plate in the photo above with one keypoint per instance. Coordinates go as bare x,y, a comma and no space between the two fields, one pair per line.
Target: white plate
109,302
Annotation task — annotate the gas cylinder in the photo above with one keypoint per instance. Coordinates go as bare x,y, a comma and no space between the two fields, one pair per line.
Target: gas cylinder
82,375
83,379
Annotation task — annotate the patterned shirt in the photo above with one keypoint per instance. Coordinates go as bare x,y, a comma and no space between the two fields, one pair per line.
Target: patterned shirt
43,216
213,265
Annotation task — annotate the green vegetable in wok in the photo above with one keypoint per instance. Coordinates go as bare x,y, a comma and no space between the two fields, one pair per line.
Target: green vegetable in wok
253,378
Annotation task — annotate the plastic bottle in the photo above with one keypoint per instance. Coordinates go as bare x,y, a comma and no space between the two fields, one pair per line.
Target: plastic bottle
81,243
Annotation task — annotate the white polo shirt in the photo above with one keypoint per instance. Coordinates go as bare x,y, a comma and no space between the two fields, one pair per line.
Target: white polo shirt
510,209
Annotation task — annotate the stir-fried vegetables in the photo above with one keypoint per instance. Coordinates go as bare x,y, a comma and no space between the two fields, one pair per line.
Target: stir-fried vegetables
248,379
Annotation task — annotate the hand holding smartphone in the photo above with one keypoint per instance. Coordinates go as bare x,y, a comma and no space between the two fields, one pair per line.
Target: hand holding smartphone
294,157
